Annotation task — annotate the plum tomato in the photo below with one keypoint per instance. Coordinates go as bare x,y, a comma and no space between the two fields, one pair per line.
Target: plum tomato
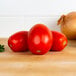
39,39
59,41
18,41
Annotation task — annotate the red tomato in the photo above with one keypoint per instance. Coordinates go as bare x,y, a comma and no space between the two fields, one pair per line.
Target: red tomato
39,39
59,41
18,41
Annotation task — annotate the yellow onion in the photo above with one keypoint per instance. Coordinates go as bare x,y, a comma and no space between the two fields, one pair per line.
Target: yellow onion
68,25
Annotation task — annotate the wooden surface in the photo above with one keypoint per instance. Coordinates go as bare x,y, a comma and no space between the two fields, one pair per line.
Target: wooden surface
26,64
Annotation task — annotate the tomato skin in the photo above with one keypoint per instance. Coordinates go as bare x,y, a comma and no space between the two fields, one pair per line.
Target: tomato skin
59,41
18,41
39,39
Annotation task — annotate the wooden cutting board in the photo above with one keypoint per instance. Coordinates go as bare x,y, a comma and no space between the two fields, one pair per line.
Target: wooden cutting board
26,64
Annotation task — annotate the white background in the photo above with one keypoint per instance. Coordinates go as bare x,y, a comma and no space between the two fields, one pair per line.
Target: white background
16,15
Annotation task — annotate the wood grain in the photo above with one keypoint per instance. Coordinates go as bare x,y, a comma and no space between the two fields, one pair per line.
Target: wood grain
26,64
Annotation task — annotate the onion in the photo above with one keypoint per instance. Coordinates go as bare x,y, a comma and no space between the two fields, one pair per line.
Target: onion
68,25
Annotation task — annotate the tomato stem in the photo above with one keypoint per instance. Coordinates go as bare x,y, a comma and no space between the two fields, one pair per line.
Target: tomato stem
38,51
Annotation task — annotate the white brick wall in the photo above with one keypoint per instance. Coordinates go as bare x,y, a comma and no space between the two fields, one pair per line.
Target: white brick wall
16,15
12,24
